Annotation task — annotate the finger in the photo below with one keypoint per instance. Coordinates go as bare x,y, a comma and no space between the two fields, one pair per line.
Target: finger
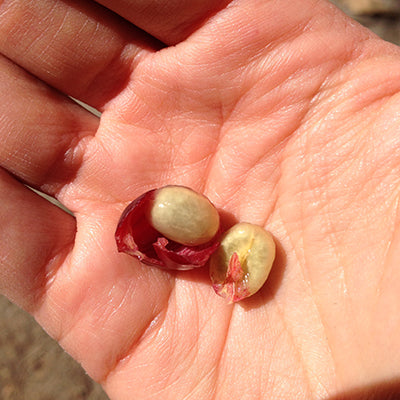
168,21
77,47
42,133
32,243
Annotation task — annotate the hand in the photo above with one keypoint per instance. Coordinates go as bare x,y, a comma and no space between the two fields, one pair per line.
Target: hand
283,113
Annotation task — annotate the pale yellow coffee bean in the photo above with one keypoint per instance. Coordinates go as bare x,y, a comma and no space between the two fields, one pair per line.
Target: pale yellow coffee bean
184,216
242,263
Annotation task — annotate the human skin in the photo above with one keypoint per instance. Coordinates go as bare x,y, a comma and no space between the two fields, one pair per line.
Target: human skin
284,113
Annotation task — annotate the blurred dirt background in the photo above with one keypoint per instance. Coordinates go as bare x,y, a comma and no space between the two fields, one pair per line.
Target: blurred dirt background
33,366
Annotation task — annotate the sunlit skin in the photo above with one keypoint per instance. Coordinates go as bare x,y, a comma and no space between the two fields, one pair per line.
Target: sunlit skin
283,113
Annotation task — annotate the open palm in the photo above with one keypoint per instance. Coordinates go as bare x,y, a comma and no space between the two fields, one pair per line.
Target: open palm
288,122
